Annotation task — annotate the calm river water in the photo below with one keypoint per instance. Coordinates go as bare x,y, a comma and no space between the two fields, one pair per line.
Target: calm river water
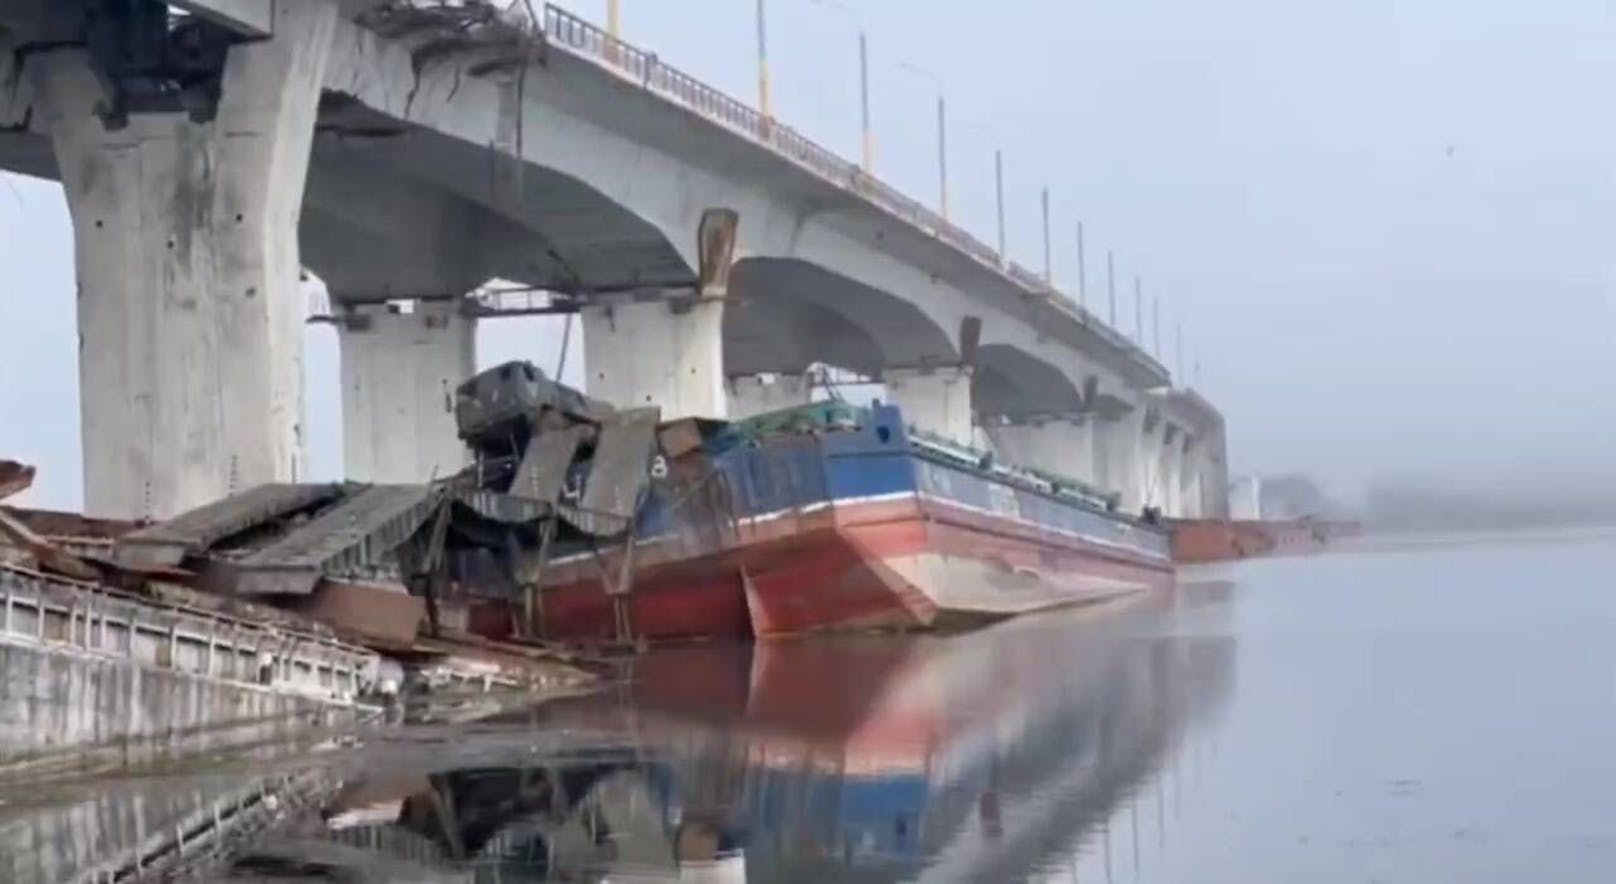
1433,711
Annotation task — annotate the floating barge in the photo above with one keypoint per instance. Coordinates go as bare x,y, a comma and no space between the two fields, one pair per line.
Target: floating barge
834,518
1202,541
578,522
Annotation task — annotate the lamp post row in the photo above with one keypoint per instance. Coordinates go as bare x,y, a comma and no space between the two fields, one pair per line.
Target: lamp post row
867,164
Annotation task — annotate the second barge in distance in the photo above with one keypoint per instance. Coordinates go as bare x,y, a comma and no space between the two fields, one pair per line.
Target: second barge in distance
843,518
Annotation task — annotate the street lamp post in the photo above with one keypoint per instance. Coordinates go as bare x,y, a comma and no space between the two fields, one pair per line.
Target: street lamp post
1155,324
1082,271
942,137
868,140
942,155
1049,262
1111,284
998,192
1178,333
1138,313
868,155
763,61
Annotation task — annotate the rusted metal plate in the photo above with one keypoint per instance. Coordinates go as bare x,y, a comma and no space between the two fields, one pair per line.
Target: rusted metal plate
502,508
15,478
253,19
59,525
618,473
347,539
45,554
193,532
680,437
544,466
381,614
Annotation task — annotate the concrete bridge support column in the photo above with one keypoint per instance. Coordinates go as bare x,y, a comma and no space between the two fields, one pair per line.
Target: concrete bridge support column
1191,479
935,400
1079,460
399,374
1126,462
759,394
1063,447
1213,448
185,235
665,353
1172,473
1149,458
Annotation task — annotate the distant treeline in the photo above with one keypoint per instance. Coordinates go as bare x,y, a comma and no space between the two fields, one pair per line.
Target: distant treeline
1426,507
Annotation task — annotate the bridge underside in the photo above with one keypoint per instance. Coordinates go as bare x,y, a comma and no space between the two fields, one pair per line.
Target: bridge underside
788,314
416,163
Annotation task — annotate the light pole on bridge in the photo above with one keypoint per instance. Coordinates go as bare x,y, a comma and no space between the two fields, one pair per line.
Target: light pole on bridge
942,137
998,181
763,61
1049,261
868,146
1139,312
1082,271
1111,284
1155,322
998,196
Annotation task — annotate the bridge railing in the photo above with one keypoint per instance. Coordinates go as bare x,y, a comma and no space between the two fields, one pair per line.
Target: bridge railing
575,33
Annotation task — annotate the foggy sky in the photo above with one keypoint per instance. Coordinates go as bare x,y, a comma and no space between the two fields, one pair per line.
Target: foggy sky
1385,225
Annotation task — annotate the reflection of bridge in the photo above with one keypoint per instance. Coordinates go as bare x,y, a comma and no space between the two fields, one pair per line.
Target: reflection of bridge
912,756
415,150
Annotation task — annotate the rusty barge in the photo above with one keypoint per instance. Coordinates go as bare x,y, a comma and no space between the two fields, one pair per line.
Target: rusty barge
582,523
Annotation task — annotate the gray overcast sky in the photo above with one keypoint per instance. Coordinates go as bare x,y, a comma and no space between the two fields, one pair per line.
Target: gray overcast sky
1384,224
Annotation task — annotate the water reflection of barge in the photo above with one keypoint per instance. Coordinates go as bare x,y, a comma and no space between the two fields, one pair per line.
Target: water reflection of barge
844,759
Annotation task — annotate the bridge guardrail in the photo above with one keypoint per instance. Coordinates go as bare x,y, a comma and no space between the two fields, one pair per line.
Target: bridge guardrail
645,68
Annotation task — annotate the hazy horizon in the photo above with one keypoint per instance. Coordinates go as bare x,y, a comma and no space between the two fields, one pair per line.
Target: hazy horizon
1383,228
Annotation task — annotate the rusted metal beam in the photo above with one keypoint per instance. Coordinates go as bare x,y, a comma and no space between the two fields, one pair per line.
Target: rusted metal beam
48,556
346,540
254,19
15,478
193,532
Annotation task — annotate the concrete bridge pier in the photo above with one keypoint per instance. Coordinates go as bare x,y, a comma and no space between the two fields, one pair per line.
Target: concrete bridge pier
667,352
399,374
1170,471
759,394
185,236
1148,461
1063,446
936,400
1121,458
1191,477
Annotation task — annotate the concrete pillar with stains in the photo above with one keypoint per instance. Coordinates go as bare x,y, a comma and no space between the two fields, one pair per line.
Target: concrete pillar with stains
668,353
1171,496
185,234
935,400
1125,457
759,394
399,374
1060,446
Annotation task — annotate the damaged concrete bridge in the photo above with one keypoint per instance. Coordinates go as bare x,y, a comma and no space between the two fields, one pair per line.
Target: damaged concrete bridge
214,151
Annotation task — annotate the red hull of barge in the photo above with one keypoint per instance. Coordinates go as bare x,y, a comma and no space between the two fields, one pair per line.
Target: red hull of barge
1199,541
912,563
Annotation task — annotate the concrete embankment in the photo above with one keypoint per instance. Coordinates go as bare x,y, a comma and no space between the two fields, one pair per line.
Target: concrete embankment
91,678
147,829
